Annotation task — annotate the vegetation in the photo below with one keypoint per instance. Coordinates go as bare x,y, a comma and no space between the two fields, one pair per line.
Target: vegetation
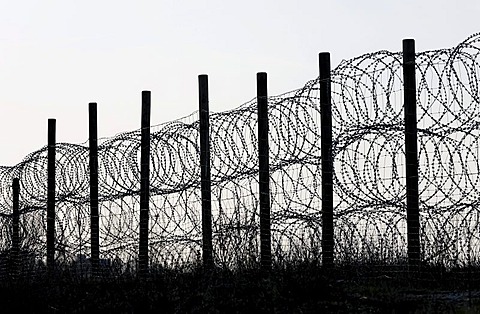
294,288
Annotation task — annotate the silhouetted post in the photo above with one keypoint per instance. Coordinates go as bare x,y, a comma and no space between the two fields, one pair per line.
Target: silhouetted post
94,220
15,227
264,176
144,183
411,161
327,160
51,196
205,170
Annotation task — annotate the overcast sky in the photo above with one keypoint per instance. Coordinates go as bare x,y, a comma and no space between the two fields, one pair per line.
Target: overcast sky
57,56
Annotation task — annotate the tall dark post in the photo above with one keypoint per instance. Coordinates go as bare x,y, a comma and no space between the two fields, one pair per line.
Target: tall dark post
51,195
144,183
327,160
94,224
205,170
264,176
411,161
15,226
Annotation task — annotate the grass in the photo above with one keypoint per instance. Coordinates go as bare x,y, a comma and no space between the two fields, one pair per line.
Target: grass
293,288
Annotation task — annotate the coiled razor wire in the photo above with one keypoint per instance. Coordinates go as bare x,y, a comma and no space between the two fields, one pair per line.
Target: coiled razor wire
369,175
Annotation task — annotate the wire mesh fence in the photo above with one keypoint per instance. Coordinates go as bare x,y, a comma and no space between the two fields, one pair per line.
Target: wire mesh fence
368,151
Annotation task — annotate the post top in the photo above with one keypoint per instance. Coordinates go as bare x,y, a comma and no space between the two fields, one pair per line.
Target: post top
324,57
262,76
408,45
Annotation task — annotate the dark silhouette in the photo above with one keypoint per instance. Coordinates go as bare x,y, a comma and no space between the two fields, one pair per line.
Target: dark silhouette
204,118
411,154
318,187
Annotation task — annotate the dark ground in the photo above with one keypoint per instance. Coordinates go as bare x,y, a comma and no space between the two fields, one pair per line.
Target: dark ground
302,288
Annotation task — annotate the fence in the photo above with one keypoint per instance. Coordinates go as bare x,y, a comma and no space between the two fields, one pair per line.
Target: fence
373,161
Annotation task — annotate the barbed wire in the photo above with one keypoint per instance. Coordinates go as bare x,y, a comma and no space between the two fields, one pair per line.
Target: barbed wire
369,176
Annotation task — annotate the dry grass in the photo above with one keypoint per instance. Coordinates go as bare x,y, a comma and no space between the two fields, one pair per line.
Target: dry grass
293,288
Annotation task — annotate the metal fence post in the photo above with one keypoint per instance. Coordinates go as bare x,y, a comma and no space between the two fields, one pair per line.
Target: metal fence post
144,183
15,227
51,195
264,169
327,159
205,170
93,158
411,153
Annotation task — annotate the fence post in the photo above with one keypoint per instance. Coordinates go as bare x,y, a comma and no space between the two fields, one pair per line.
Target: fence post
411,161
144,183
51,196
327,160
205,170
15,227
94,223
264,176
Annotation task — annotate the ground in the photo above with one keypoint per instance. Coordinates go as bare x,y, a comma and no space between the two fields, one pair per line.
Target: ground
301,288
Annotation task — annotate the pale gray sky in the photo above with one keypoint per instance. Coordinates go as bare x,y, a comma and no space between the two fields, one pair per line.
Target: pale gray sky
58,55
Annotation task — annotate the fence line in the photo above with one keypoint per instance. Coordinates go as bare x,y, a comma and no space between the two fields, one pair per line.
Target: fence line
377,197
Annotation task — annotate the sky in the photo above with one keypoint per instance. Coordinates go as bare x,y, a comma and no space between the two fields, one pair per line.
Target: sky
56,56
